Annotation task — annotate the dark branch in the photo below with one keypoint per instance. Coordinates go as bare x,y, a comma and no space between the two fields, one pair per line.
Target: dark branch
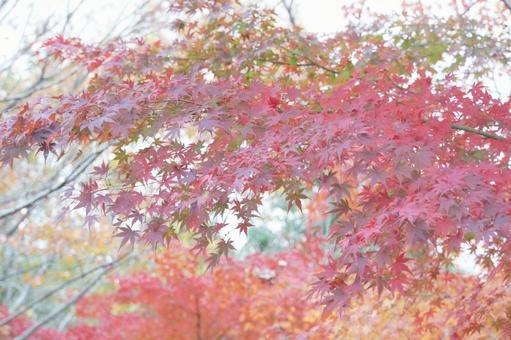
477,131
278,62
15,227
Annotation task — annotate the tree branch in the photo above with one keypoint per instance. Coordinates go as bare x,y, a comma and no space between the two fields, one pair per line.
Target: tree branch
328,69
477,131
21,272
55,313
507,3
108,265
278,62
289,9
198,318
15,227
71,177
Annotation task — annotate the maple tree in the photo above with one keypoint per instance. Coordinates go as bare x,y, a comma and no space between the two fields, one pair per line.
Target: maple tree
413,165
237,299
264,297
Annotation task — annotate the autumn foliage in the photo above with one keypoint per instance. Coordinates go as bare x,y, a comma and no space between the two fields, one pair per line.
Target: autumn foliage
266,297
413,166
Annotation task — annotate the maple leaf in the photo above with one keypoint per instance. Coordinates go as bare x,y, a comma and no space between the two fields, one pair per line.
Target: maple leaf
399,269
243,227
126,201
46,148
101,170
127,234
341,207
411,210
295,198
86,197
91,220
155,233
341,190
223,247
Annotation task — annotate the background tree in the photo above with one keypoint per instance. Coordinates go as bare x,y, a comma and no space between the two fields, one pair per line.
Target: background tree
264,296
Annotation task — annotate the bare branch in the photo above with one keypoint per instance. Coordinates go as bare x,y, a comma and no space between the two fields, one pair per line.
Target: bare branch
45,193
109,267
15,227
288,6
23,271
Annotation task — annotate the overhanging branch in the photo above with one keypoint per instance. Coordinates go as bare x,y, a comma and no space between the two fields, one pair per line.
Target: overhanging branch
477,131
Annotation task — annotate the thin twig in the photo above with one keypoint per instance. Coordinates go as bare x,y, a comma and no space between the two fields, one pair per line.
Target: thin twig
328,69
278,62
23,271
288,6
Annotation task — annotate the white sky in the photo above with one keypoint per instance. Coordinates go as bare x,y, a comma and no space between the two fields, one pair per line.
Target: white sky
319,16
324,16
